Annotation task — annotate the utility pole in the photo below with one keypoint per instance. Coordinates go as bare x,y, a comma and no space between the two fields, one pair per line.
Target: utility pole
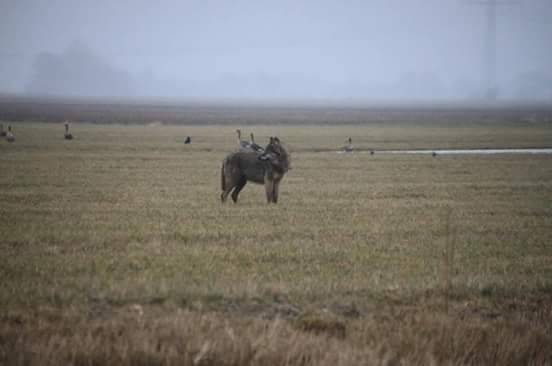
490,46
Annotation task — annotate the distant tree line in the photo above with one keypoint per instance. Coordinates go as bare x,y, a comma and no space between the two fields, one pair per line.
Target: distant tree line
77,72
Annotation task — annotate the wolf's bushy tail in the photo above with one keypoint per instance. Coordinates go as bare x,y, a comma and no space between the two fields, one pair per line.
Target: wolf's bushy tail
222,180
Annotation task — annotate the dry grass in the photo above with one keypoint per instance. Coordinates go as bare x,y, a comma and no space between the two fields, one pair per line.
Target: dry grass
153,336
116,249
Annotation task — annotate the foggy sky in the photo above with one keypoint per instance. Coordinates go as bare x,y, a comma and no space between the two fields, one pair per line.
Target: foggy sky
293,49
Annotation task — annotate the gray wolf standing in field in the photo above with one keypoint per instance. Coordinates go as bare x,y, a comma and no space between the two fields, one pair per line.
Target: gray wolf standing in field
267,168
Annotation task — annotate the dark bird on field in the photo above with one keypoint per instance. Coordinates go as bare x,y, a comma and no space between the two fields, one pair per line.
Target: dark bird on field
434,154
188,140
9,136
67,135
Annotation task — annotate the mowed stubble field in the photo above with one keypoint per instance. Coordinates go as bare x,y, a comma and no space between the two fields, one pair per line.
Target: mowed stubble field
117,250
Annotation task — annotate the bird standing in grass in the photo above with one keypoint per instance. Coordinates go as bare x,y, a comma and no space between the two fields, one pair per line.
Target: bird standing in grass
67,135
243,144
9,135
349,146
253,146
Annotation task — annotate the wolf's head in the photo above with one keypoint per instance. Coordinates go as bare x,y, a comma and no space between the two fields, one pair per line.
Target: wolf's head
277,155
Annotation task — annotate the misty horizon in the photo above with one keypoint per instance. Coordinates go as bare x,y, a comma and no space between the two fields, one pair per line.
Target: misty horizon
415,50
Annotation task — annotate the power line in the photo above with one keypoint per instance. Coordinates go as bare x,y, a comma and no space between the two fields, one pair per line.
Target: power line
490,44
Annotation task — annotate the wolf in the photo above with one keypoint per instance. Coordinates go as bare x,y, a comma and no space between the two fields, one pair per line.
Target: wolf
267,168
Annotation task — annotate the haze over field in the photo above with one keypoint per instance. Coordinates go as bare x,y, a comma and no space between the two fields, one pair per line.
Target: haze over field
381,49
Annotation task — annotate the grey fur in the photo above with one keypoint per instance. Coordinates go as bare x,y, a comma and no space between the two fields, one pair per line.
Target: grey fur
268,169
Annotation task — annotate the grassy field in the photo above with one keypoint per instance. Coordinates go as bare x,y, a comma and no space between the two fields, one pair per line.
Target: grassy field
116,248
